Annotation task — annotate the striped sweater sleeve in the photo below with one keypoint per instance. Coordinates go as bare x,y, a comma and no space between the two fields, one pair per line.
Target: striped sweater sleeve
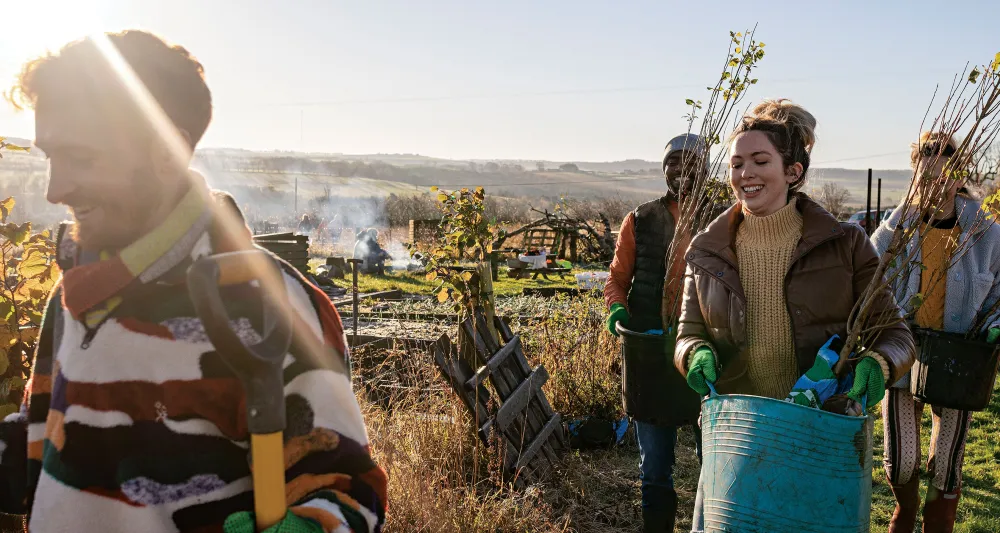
19,468
330,475
13,462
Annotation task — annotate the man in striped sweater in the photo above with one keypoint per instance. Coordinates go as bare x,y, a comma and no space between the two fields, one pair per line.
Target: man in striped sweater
131,421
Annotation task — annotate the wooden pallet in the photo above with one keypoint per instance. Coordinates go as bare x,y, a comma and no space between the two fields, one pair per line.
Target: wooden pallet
541,238
504,395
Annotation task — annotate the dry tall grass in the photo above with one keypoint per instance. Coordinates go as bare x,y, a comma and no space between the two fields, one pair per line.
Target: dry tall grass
442,478
581,356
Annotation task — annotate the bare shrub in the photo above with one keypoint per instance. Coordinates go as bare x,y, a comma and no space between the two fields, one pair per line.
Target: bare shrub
834,197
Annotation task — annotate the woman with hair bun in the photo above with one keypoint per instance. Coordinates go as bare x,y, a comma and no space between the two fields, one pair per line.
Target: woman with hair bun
774,278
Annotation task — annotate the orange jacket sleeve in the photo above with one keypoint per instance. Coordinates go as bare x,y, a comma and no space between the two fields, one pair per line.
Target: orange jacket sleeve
622,266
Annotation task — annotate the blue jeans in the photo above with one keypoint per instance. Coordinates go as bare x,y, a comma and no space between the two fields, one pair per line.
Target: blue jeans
656,461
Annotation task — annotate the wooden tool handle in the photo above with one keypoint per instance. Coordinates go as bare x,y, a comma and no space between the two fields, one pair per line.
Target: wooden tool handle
268,455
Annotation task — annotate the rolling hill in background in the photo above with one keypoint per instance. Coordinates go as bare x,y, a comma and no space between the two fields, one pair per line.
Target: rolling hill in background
632,179
349,175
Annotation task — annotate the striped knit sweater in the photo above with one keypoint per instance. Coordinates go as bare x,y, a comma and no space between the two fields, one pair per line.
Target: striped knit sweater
132,422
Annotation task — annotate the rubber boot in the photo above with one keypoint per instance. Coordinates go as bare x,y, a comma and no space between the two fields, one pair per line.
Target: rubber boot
904,516
940,510
660,519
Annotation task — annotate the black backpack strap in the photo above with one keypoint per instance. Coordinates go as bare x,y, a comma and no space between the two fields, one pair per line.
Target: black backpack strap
66,247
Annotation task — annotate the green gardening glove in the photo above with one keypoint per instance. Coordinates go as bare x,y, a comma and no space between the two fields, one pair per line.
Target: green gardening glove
244,522
618,314
993,335
868,382
702,370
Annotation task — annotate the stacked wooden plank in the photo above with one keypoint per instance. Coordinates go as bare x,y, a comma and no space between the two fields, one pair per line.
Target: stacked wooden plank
291,247
504,395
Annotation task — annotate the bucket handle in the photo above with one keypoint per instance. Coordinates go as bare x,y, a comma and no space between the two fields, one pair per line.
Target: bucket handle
711,389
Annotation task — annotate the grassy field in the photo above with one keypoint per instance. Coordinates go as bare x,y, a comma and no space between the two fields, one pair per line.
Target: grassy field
418,284
979,510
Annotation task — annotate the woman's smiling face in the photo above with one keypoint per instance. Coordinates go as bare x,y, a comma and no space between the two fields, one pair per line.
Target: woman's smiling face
758,175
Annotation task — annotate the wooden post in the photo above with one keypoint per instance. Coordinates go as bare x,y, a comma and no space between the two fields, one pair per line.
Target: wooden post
494,266
868,205
354,291
878,203
486,298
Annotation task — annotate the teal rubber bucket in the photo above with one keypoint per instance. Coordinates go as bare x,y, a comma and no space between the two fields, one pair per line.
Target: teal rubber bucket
772,466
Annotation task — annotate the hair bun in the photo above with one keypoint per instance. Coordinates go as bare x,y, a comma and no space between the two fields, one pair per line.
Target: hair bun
794,116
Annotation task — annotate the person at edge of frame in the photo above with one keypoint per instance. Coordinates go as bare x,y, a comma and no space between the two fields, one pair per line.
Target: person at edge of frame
131,420
955,291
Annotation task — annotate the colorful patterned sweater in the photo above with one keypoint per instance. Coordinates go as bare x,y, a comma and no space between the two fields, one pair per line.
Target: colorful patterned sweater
132,422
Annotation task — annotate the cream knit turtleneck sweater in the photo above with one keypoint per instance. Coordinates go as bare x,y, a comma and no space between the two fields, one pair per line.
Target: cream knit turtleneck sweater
764,247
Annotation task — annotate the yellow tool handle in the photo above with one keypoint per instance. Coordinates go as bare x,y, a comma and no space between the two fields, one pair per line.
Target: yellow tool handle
268,453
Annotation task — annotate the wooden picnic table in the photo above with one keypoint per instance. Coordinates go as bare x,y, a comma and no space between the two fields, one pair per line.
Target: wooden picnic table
519,269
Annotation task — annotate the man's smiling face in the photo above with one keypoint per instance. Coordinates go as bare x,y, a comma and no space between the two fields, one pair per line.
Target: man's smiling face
101,169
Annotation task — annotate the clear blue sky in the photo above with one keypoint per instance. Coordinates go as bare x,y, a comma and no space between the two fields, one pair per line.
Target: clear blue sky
460,79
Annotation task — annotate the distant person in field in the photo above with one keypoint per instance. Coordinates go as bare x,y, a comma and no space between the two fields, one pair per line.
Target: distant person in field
306,224
335,228
959,264
634,296
370,252
131,420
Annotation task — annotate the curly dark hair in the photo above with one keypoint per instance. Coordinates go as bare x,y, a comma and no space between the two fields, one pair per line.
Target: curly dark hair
174,78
